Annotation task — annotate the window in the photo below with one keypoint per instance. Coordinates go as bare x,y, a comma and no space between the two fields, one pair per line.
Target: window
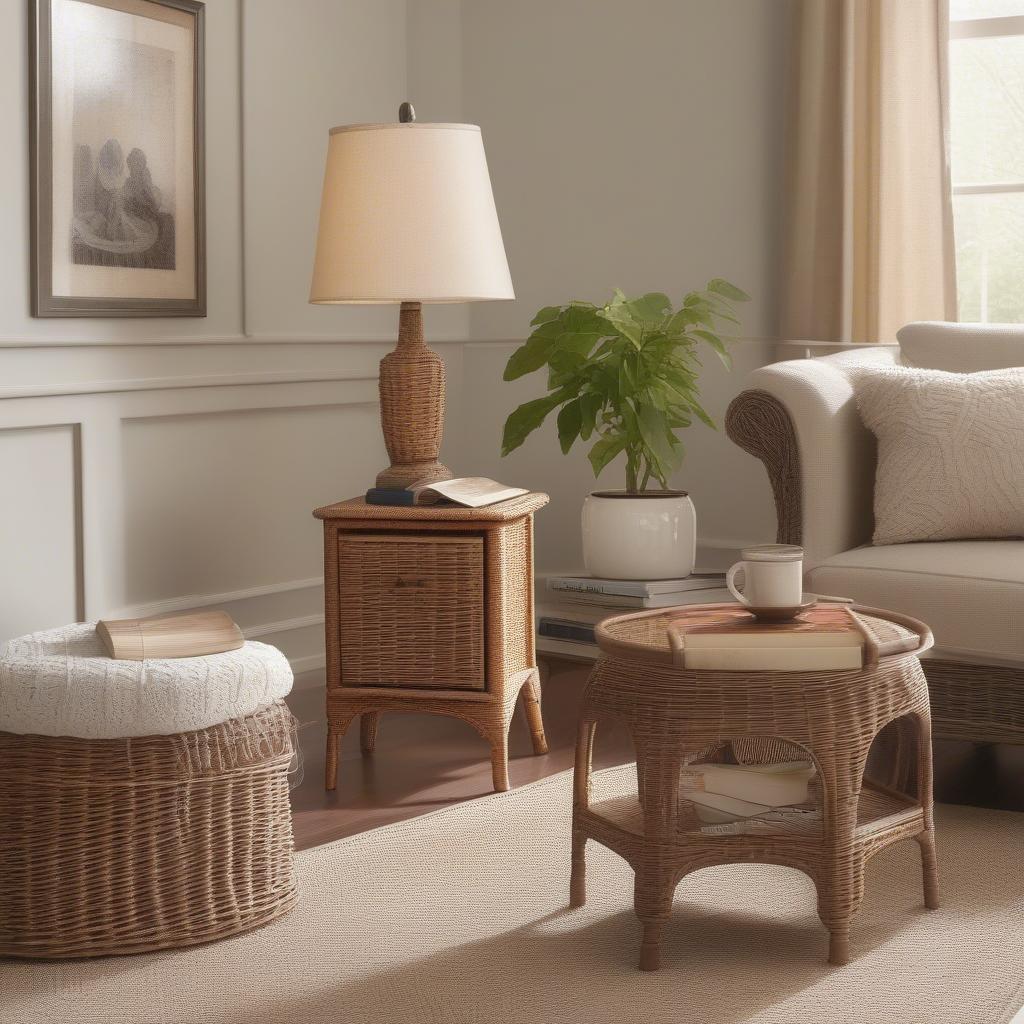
987,156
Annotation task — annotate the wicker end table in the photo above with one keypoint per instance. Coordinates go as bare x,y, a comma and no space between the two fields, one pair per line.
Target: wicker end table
678,716
430,609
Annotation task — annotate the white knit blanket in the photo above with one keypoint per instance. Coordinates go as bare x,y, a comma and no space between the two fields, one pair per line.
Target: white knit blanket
61,683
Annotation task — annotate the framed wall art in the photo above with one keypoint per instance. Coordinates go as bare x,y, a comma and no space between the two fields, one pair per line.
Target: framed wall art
118,222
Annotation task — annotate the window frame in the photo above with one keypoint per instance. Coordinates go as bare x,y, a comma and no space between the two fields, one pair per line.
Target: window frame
986,28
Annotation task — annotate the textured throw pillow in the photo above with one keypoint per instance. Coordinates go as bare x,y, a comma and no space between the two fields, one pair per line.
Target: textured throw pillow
950,452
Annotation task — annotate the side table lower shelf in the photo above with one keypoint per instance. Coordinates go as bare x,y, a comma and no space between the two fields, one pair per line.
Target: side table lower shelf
883,816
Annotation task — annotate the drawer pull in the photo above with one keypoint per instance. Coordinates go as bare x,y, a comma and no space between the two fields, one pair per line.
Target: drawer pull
401,584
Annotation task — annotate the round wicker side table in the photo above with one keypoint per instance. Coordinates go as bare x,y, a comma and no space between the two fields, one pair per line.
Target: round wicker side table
131,845
677,716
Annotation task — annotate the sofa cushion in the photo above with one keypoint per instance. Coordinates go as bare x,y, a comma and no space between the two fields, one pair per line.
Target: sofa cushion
950,452
961,348
60,682
970,592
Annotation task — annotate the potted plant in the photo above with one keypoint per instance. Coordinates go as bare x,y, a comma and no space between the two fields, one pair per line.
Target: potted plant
624,375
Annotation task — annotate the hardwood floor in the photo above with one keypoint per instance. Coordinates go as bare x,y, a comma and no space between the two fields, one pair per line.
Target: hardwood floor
424,762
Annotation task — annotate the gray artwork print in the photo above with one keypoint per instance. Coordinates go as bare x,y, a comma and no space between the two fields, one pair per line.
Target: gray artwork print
123,169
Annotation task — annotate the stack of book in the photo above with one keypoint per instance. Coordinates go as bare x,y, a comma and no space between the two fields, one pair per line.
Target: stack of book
706,587
735,799
571,606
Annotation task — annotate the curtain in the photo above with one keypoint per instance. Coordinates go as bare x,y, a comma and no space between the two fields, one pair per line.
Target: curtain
869,232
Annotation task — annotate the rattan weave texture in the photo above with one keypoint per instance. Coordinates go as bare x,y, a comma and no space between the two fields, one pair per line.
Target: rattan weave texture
431,610
676,716
126,846
412,388
380,577
979,702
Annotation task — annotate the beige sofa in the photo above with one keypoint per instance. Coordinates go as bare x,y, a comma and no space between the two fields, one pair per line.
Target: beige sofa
800,418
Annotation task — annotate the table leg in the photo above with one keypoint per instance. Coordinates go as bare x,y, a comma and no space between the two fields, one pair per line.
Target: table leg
336,728
530,696
578,878
499,761
926,840
655,883
841,885
653,891
331,767
368,723
581,800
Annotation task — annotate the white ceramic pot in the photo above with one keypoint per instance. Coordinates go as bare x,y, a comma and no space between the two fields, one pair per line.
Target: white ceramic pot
647,536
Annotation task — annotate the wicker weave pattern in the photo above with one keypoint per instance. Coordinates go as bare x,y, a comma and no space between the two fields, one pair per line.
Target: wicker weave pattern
125,846
976,702
759,423
676,716
983,703
384,583
412,405
430,662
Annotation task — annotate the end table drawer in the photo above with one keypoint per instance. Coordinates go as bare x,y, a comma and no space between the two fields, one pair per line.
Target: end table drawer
411,610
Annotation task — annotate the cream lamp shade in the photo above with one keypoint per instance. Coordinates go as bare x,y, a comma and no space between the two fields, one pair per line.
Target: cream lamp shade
407,214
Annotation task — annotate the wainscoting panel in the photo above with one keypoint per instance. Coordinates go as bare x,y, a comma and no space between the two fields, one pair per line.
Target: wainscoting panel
40,527
148,495
221,501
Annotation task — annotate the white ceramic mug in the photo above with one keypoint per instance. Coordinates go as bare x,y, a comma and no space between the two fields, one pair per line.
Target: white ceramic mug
773,576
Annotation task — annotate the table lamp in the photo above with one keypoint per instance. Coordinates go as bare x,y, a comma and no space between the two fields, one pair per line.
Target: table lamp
407,216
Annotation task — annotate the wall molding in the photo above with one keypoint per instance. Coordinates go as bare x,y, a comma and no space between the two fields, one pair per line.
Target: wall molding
179,383
372,339
186,603
811,349
284,626
210,341
308,663
772,342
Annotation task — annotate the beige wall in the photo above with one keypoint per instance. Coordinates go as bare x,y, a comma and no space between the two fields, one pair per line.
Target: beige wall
149,465
157,464
634,145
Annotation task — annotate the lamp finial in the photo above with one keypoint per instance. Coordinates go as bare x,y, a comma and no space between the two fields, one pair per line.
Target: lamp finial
406,113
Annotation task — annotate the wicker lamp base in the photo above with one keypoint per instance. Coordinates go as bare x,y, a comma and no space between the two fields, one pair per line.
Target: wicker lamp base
412,405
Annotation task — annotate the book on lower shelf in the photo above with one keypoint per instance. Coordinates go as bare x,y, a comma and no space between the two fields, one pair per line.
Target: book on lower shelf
170,636
731,799
467,491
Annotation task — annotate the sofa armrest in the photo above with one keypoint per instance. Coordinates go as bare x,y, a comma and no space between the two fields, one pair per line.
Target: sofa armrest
800,418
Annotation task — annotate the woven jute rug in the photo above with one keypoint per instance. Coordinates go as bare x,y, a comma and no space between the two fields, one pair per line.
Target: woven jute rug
461,916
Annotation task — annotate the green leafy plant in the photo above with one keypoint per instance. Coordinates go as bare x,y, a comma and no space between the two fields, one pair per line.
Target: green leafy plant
624,374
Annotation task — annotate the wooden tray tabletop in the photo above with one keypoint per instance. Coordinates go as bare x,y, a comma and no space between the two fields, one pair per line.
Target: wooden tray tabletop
649,636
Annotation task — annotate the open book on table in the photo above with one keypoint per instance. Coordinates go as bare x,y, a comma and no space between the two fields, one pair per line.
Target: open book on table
469,491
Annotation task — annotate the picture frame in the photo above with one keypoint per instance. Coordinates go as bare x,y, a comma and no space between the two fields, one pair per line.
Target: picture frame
118,158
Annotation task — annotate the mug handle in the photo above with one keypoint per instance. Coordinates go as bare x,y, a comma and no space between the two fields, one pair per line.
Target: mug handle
730,577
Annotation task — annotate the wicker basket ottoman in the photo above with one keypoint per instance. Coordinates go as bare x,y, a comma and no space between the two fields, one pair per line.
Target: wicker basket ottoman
143,805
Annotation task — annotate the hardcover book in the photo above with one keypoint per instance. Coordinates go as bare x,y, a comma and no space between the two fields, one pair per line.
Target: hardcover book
588,585
731,639
625,603
468,491
826,625
170,636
